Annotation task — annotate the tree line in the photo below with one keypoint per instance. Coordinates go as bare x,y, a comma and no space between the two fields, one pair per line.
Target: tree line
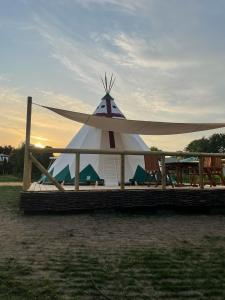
14,166
214,144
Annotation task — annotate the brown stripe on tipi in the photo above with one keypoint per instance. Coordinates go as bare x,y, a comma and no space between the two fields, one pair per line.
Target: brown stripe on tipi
112,139
110,115
111,133
108,106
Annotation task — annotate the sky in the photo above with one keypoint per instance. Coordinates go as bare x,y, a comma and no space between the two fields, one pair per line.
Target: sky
168,57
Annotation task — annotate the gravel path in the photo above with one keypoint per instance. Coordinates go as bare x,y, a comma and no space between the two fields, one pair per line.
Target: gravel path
11,183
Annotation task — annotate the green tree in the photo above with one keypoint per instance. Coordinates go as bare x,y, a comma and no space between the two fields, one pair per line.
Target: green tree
215,143
16,160
6,149
153,148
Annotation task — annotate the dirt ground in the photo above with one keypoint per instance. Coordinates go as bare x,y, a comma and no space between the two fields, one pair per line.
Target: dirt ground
10,183
39,236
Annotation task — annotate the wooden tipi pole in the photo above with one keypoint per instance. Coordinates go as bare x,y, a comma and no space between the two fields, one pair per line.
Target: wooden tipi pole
27,161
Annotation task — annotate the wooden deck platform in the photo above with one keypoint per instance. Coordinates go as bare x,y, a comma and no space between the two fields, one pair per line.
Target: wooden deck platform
186,199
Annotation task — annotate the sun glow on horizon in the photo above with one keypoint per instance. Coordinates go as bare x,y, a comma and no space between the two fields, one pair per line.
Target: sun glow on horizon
39,145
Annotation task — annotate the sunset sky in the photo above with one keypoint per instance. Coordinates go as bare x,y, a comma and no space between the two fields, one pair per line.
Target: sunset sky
168,57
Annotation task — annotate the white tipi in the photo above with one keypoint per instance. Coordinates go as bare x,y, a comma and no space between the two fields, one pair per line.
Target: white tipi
101,168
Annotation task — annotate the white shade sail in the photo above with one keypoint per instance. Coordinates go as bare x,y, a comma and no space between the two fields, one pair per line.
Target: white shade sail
134,126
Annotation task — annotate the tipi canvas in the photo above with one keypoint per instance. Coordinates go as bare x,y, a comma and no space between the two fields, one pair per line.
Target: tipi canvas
101,168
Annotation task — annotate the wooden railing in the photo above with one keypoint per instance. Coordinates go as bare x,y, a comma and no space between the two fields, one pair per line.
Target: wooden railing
162,154
29,159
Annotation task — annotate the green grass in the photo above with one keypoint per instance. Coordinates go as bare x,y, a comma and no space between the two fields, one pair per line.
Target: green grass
9,178
16,282
9,198
179,273
182,272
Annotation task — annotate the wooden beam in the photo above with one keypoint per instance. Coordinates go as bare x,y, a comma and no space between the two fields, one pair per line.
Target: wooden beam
27,162
44,171
128,152
163,164
122,172
201,173
77,172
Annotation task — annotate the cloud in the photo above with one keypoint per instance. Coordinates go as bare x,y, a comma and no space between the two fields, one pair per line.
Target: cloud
167,57
127,6
72,54
48,97
45,126
4,78
39,138
139,53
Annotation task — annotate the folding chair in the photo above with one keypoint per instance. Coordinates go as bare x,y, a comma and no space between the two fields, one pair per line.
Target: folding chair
153,171
208,169
217,168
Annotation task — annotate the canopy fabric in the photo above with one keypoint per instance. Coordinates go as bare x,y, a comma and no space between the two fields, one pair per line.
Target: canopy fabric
134,126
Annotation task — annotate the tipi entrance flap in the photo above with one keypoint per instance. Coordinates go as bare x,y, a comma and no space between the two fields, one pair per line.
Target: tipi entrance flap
108,169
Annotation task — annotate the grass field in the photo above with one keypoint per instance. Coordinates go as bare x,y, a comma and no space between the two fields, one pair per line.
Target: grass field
109,255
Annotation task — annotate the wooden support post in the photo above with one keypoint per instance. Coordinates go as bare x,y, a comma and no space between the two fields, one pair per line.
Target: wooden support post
77,172
163,163
27,161
201,175
44,171
122,172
